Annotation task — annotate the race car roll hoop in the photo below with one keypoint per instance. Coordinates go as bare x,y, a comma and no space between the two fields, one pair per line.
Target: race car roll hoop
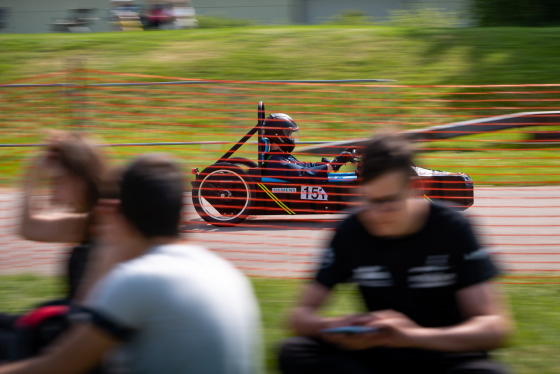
232,189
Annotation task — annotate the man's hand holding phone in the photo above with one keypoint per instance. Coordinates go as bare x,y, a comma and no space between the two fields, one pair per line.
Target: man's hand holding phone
352,332
386,328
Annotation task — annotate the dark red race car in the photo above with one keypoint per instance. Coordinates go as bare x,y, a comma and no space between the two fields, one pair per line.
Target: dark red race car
232,189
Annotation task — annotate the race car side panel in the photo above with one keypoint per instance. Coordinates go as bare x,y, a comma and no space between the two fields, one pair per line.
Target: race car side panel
292,199
454,189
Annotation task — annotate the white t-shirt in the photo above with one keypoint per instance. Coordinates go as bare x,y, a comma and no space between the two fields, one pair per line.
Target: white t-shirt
191,312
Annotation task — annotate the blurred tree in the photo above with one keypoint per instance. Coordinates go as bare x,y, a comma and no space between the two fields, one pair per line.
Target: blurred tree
516,12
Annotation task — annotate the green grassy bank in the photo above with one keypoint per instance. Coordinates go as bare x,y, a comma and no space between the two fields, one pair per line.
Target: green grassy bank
411,56
532,350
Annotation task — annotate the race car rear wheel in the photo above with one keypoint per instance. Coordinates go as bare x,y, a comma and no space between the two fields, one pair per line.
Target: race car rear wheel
223,196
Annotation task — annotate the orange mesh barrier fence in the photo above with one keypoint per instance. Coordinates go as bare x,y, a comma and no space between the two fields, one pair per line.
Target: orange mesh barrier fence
490,150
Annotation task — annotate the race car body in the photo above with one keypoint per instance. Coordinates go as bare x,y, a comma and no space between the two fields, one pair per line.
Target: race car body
232,189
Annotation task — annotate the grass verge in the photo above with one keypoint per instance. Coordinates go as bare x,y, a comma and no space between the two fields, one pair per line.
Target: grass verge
532,350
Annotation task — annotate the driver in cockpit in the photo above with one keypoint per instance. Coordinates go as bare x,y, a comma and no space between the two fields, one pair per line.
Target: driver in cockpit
280,129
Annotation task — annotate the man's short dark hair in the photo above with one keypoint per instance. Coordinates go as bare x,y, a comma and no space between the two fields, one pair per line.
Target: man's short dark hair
384,153
152,195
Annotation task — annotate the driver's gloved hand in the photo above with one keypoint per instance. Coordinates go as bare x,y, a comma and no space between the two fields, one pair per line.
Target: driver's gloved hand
341,159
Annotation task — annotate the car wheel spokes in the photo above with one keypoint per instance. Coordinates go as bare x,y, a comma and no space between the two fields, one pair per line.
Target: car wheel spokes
224,195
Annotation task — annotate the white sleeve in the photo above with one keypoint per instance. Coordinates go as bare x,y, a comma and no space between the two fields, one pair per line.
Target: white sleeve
120,297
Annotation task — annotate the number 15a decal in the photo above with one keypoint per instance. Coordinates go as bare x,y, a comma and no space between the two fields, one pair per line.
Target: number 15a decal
313,193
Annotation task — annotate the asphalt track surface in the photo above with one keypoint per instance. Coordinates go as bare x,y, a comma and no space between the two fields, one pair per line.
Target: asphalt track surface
520,226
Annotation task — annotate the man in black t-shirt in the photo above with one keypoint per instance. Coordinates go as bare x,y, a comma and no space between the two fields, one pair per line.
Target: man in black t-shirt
422,275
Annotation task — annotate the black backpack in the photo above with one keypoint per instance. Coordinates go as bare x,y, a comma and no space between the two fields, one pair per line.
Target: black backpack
39,328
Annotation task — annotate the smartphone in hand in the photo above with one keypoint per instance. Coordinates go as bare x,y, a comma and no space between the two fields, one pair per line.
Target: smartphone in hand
350,330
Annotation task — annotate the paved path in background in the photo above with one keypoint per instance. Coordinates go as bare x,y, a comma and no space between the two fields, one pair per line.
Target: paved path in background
520,225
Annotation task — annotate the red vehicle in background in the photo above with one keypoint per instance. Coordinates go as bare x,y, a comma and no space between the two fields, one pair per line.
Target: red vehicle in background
232,189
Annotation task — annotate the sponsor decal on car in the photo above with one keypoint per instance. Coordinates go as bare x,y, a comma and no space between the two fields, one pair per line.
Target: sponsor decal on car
275,199
313,193
284,189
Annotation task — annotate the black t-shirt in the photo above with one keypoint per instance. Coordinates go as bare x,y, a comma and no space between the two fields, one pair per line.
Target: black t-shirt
76,266
417,275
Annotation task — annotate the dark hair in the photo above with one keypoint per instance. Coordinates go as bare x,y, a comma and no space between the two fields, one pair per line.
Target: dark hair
152,195
384,153
77,154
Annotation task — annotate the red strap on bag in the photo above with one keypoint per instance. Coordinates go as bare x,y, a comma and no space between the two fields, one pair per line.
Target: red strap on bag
35,317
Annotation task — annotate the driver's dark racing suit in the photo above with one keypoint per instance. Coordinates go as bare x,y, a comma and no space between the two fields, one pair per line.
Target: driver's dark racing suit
285,166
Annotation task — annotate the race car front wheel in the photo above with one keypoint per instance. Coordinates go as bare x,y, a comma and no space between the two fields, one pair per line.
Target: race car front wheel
223,196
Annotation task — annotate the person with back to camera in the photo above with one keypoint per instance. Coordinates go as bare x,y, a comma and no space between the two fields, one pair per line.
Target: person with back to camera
422,275
280,129
172,307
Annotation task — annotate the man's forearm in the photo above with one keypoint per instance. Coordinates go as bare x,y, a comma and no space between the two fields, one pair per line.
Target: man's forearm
304,322
74,352
32,366
477,333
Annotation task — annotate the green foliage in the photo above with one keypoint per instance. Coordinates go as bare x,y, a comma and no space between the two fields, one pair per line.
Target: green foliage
351,18
516,12
423,18
214,22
